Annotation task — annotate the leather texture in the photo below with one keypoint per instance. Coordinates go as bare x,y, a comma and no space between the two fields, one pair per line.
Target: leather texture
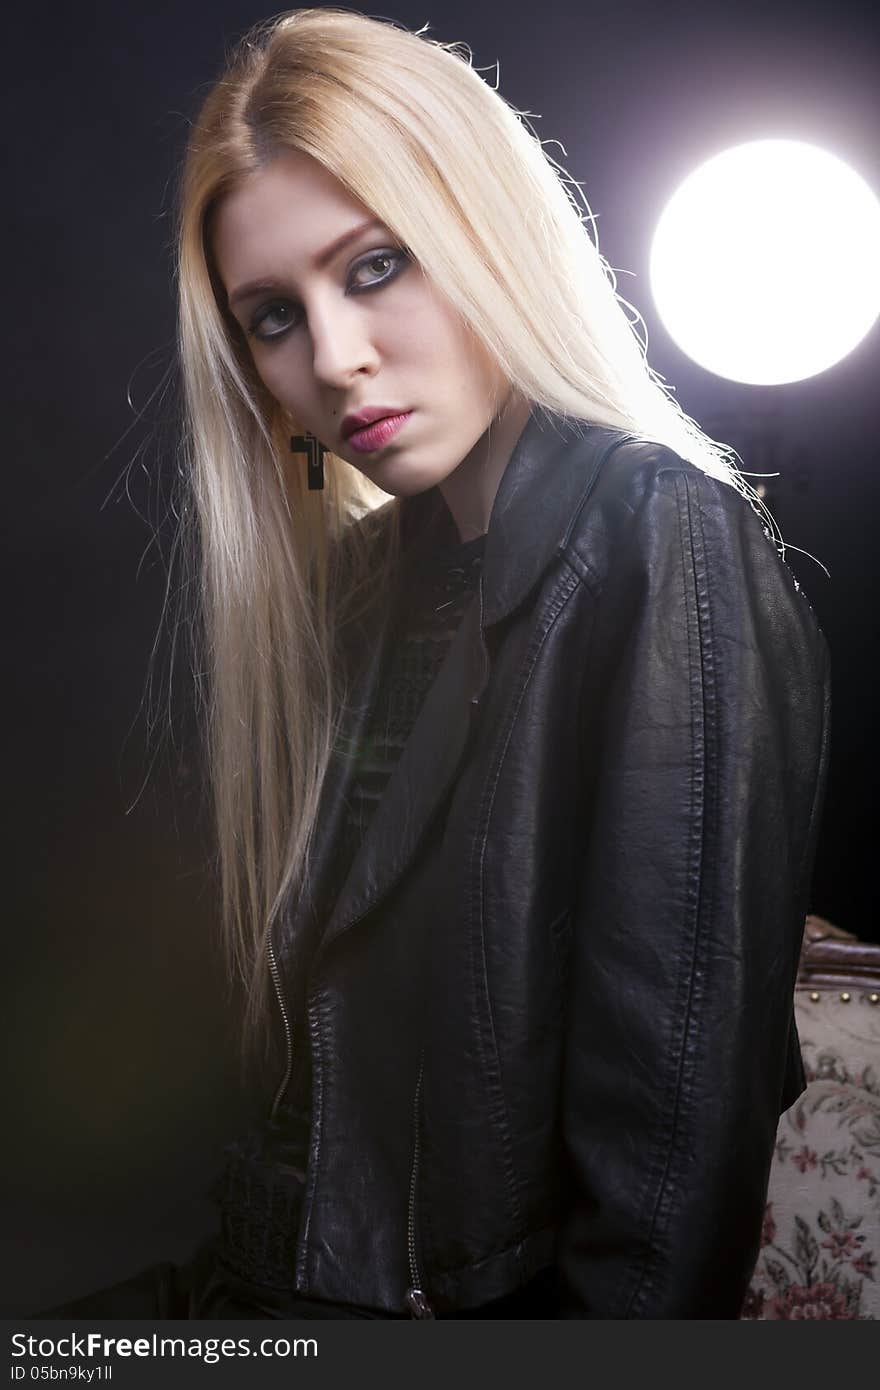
550,1016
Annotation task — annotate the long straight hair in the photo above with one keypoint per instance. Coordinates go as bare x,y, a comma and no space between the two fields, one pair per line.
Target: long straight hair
407,126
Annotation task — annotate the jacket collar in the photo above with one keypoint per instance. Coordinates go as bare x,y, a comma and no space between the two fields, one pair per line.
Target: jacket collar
545,484
540,493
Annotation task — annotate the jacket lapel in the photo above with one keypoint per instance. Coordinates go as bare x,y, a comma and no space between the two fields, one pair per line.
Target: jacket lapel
424,771
543,486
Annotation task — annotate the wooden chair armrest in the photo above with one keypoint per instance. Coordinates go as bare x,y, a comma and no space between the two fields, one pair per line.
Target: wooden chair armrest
832,958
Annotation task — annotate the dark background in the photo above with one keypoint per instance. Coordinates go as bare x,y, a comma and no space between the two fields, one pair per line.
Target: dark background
120,1085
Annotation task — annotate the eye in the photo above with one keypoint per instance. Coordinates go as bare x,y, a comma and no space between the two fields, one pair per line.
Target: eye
395,258
273,320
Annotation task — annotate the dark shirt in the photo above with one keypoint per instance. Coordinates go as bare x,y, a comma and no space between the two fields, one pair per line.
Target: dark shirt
427,622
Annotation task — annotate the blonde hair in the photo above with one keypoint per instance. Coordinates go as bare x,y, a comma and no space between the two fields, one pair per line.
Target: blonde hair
408,127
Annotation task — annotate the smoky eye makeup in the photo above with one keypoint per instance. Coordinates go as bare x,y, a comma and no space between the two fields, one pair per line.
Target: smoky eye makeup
275,317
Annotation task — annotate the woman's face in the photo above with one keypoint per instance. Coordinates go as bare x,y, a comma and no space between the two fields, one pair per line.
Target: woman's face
334,329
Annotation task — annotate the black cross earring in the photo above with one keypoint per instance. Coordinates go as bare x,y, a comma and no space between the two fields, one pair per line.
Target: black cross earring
314,450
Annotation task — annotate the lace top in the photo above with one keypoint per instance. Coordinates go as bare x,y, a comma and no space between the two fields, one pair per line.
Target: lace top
428,621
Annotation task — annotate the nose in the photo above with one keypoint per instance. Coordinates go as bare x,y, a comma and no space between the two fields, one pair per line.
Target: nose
341,344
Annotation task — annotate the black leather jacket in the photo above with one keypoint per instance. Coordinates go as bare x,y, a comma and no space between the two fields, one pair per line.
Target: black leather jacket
550,1018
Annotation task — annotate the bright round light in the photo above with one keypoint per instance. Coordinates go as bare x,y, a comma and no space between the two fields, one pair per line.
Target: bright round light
765,265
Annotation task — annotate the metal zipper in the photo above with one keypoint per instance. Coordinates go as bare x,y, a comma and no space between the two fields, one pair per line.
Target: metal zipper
285,1019
475,699
416,1299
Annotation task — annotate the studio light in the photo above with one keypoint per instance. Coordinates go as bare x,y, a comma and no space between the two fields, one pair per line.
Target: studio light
765,264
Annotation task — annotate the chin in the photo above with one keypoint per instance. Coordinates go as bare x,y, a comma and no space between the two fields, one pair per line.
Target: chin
401,480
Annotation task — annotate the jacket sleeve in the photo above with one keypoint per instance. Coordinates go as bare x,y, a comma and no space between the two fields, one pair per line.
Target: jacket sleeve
705,743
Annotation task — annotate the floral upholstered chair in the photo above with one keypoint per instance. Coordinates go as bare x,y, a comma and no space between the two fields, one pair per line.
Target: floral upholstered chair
820,1248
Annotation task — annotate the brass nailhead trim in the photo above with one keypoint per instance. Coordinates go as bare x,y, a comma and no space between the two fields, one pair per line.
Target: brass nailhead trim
845,996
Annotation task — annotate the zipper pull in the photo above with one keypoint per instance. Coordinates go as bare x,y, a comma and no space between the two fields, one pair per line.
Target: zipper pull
418,1305
416,1300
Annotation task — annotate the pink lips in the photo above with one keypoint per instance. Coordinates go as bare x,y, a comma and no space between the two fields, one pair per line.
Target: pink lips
376,435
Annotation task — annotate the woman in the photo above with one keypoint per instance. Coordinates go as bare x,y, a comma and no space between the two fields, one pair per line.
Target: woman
517,725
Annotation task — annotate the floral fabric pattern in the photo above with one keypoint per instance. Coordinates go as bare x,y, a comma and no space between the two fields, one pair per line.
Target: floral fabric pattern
820,1242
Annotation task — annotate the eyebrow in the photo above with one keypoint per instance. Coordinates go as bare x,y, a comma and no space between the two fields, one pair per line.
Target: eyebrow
319,261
